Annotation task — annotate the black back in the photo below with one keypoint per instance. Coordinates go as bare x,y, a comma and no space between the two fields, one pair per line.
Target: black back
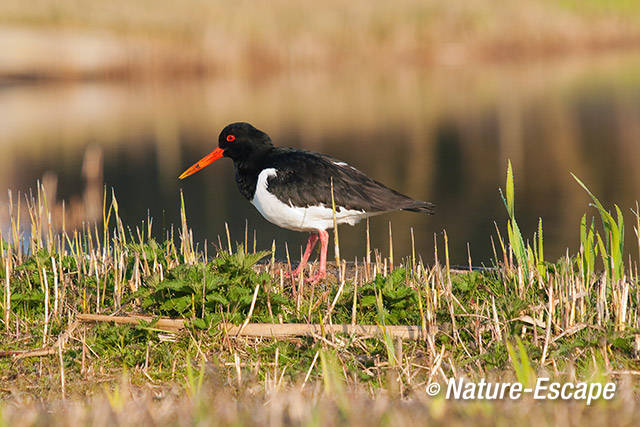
304,178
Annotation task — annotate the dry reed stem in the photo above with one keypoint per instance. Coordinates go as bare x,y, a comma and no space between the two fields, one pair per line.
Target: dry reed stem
253,304
46,307
62,381
306,377
336,239
7,295
390,248
547,338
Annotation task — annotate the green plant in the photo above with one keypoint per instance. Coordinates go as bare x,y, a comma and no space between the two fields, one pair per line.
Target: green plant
588,249
381,322
521,363
612,249
513,231
204,291
194,382
390,298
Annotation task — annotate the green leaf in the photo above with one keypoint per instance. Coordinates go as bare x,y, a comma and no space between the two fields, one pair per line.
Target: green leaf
540,243
28,297
215,297
612,248
199,323
173,285
178,304
368,301
510,191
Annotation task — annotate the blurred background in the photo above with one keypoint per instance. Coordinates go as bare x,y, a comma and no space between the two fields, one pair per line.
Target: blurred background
429,97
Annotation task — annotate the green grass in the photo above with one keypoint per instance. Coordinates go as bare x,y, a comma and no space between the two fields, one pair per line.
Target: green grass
572,319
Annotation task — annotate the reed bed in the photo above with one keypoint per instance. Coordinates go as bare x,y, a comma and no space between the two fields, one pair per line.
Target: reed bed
572,319
195,37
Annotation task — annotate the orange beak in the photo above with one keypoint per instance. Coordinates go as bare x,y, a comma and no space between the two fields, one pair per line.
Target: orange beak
203,162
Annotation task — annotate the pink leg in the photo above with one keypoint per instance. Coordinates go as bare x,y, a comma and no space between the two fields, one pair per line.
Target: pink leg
324,244
311,243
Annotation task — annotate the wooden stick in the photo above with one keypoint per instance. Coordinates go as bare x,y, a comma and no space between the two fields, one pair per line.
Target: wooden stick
45,351
300,329
163,323
275,330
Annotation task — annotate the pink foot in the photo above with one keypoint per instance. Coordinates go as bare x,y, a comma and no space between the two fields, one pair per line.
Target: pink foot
322,273
311,243
292,274
317,277
324,243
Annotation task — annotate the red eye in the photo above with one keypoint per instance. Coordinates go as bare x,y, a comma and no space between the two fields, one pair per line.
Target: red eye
230,138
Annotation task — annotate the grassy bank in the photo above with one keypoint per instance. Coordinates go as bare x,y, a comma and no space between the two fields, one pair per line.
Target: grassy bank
261,38
574,319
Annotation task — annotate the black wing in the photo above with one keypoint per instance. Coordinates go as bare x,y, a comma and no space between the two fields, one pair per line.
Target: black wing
304,179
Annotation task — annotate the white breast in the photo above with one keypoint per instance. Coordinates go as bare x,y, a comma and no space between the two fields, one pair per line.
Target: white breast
286,215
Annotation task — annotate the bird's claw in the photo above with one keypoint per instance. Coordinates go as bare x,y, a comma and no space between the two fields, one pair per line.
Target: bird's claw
292,274
295,274
317,277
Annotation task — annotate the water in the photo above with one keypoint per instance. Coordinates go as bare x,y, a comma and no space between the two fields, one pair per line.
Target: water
442,135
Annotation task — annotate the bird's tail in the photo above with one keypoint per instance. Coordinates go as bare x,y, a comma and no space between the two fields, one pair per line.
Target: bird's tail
418,206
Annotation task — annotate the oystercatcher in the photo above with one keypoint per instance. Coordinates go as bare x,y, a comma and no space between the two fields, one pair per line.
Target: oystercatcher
292,188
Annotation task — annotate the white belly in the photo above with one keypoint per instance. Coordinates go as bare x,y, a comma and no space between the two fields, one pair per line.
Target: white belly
297,218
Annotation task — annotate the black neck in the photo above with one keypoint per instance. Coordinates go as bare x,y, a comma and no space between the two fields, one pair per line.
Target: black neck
248,169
